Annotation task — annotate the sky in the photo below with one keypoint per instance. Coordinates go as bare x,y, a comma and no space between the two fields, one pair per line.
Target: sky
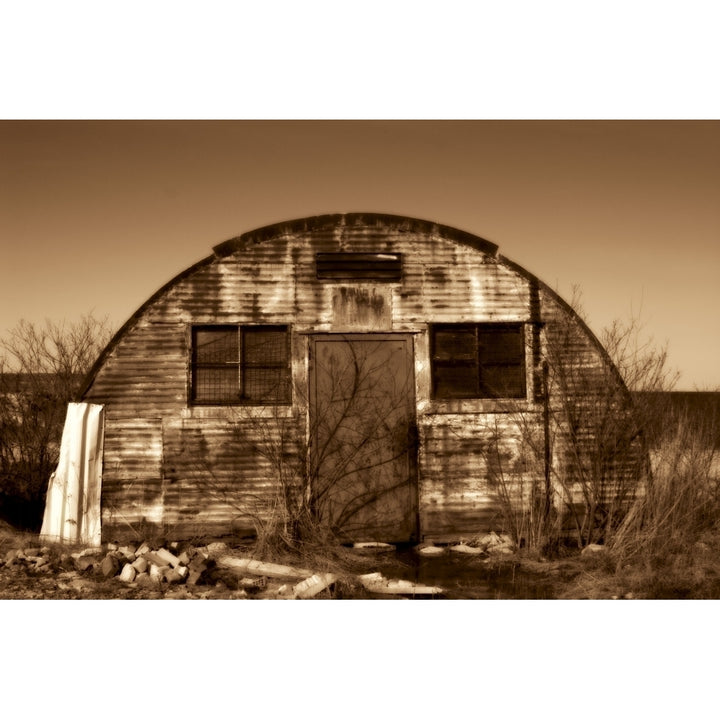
97,215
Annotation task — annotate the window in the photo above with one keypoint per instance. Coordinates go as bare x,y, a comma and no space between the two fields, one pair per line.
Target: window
386,267
480,360
247,365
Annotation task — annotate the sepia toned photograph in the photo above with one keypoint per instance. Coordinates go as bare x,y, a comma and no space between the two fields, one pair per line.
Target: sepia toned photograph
383,335
360,359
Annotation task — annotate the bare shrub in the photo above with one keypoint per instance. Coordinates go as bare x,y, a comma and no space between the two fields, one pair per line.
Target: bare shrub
41,370
586,458
322,473
681,503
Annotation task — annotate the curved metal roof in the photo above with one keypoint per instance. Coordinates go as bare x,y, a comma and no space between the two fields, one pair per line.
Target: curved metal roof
333,223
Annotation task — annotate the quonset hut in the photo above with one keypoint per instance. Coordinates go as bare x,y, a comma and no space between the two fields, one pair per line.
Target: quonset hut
402,378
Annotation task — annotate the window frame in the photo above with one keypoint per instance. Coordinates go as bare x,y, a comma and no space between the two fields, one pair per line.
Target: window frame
241,366
477,363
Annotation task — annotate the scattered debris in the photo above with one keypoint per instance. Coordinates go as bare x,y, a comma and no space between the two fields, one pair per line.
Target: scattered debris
313,585
256,567
495,544
430,550
373,547
377,583
152,567
467,549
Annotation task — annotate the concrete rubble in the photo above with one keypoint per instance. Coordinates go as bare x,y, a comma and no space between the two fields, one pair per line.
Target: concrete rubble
201,570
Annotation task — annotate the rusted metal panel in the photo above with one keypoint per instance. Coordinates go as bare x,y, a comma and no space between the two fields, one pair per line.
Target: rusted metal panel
361,308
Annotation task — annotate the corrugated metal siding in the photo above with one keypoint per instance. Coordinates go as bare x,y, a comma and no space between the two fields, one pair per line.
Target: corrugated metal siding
144,379
132,474
72,510
465,459
597,445
224,474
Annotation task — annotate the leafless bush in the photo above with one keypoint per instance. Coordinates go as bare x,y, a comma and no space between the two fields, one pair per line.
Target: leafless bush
601,434
41,369
683,500
327,470
588,458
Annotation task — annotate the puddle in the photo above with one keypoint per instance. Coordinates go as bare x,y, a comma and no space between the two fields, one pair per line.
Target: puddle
465,577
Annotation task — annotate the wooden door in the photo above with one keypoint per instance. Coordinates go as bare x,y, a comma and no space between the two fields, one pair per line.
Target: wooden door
364,447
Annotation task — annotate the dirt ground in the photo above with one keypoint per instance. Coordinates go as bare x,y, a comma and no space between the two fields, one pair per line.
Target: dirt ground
31,570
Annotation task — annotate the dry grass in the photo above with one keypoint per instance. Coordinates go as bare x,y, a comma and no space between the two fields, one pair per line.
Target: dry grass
668,545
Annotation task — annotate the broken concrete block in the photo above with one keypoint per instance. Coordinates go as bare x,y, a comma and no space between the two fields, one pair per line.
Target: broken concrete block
199,562
377,583
127,552
140,564
156,573
154,559
172,576
112,546
184,558
110,566
167,557
144,548
128,573
313,585
194,576
215,549
182,571
242,566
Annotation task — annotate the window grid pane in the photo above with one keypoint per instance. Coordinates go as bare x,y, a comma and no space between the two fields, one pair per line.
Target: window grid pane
215,346
266,385
216,386
265,348
247,365
478,361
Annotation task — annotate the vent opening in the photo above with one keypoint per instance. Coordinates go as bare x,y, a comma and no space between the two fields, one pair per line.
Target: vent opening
385,267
